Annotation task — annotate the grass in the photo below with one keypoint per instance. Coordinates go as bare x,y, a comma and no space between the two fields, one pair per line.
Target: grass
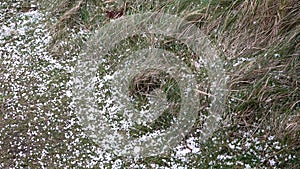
258,41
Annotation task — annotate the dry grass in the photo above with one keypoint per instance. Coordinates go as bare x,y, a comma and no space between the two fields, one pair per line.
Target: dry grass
264,91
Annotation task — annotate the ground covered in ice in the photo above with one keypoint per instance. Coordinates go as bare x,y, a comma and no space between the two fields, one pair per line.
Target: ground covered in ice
39,127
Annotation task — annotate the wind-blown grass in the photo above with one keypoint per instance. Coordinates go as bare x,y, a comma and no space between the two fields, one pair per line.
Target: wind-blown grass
258,41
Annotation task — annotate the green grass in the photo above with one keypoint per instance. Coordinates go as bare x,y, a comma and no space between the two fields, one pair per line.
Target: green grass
262,107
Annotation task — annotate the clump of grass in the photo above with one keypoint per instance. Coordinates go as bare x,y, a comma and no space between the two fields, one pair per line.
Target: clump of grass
265,86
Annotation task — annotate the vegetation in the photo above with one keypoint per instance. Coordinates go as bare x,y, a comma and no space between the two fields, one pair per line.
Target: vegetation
257,40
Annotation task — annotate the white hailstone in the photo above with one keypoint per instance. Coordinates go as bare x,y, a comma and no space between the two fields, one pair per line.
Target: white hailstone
272,162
